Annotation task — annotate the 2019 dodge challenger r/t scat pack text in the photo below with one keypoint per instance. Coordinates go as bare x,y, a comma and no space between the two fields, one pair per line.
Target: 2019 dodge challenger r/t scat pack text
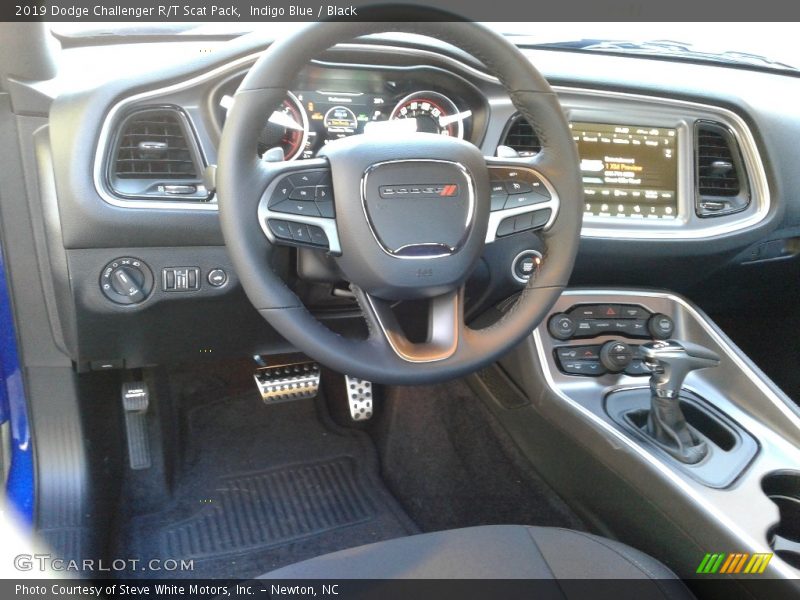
309,308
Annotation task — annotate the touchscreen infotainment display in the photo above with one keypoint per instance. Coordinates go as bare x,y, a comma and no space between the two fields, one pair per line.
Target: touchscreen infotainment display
628,170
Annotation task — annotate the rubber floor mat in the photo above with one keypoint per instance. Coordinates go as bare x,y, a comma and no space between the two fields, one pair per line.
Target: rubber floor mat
275,507
259,487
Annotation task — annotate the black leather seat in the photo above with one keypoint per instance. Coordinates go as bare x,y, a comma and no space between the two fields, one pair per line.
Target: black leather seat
492,552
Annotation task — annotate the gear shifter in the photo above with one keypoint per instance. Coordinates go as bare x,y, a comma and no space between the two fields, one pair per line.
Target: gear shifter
671,361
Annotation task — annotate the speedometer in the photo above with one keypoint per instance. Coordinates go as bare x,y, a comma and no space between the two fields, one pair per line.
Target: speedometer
433,113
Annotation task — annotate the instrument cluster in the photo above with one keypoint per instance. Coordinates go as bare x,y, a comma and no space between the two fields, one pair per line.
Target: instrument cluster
320,110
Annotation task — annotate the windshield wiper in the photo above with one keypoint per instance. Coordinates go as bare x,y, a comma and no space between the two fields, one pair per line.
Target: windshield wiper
669,48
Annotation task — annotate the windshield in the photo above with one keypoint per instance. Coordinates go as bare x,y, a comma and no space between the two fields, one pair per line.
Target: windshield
762,45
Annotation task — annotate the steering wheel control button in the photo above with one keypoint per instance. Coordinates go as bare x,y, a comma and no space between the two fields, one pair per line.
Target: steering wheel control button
180,279
281,192
317,236
522,181
524,200
299,233
306,192
562,326
280,229
126,281
217,277
322,193
518,187
305,178
325,209
499,195
298,207
661,326
506,227
524,222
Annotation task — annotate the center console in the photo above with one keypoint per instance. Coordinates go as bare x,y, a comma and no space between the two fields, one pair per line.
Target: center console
590,398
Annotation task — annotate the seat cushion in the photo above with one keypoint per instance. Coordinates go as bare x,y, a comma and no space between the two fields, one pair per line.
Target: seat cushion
490,552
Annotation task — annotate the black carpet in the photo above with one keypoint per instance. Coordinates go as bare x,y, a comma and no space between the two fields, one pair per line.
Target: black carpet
261,487
450,464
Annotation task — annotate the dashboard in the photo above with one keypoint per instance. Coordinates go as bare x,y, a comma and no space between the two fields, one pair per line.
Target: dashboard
653,168
680,183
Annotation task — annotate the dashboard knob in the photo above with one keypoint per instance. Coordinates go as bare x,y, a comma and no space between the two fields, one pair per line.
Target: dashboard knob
562,326
661,326
616,356
126,280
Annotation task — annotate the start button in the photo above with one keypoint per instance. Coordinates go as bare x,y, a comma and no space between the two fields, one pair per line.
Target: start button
525,264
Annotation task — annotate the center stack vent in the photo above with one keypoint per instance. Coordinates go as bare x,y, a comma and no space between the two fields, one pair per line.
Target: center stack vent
720,178
521,137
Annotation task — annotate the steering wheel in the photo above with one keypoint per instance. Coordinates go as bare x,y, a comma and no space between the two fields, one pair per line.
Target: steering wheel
410,217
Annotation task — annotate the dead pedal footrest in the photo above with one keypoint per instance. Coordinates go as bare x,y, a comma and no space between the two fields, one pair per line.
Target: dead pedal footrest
135,402
282,383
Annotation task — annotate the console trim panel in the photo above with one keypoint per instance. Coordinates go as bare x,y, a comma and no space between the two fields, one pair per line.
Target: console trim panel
747,397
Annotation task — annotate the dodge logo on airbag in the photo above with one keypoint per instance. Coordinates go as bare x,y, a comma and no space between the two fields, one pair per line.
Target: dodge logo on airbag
444,190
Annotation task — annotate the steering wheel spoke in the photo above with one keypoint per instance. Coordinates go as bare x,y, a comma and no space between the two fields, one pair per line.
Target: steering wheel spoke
297,206
445,325
523,199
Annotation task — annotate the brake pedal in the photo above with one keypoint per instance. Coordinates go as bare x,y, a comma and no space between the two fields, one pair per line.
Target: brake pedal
359,398
281,383
135,402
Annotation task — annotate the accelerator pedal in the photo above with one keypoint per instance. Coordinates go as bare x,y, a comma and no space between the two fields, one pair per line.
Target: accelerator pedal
293,381
359,398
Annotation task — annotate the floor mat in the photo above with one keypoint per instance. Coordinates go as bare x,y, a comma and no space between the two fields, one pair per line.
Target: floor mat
450,464
259,487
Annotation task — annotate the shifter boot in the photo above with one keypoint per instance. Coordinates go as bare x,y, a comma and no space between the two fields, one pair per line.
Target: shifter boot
667,426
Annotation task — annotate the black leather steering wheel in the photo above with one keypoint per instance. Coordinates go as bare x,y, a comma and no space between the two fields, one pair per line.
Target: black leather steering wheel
391,248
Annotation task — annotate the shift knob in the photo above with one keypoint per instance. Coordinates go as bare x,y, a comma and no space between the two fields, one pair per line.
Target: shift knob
671,361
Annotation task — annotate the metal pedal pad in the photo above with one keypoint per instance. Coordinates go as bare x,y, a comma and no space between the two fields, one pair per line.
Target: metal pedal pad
359,398
281,383
135,402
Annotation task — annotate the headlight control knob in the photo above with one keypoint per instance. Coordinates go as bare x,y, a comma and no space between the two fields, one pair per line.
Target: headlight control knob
126,280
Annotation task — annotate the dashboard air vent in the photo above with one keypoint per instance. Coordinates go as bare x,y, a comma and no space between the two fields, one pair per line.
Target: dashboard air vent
721,180
156,154
521,137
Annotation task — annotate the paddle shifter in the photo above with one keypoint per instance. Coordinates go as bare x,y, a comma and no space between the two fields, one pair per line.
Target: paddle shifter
671,361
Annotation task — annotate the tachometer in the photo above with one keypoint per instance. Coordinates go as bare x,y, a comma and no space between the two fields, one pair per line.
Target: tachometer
433,113
287,127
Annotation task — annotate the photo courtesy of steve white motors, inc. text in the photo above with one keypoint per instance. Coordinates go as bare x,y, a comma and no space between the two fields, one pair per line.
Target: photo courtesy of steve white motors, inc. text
173,589
173,11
